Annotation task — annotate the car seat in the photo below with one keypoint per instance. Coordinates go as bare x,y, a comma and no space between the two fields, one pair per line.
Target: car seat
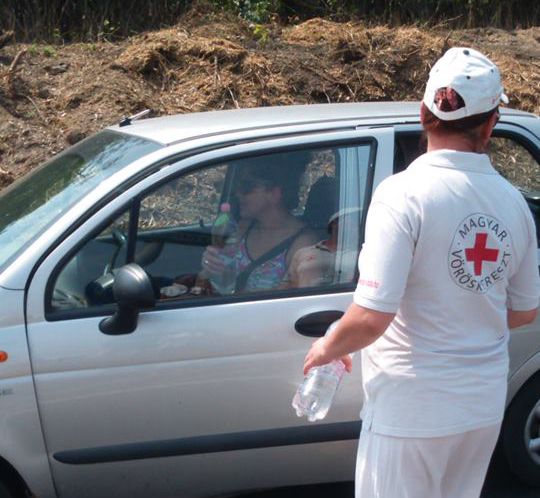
321,204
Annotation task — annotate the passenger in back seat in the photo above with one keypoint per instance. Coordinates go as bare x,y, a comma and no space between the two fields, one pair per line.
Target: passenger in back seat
316,264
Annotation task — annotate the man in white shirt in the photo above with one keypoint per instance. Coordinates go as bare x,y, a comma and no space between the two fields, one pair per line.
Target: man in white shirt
448,265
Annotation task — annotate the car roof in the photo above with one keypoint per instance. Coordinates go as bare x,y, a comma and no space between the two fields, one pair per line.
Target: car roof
181,127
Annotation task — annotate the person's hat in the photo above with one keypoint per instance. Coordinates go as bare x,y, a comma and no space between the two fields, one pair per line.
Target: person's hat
471,75
341,213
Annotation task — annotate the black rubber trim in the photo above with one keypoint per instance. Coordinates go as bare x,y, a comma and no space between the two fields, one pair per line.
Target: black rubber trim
132,231
307,434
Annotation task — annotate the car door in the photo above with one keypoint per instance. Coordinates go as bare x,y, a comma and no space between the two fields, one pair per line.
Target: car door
196,401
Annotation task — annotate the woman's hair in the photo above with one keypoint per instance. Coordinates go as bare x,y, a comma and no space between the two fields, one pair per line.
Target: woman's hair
284,170
448,100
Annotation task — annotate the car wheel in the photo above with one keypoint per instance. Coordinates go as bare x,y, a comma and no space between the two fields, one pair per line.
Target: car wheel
520,434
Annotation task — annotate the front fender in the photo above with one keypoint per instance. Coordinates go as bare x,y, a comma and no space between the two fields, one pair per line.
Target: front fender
21,438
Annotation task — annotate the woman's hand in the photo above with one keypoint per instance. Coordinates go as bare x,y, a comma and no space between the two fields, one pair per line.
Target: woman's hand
318,355
212,261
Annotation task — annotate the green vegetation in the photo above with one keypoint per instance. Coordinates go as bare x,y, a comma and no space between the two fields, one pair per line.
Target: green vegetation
58,21
261,33
48,51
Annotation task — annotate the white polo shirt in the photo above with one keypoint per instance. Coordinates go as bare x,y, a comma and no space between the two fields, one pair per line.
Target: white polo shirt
449,245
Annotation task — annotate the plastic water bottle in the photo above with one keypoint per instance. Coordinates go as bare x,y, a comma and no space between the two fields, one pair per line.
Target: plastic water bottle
315,395
224,236
224,227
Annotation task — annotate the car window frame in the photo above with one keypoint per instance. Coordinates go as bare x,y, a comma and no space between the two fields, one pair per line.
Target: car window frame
52,315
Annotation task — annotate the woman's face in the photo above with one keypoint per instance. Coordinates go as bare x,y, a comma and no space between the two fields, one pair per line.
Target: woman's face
254,196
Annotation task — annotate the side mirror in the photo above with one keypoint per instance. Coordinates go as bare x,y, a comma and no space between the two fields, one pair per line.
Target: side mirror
132,291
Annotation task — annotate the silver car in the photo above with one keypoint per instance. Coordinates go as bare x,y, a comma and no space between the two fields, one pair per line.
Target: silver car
125,372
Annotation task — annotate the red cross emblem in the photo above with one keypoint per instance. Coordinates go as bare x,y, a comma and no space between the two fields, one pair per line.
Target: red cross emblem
480,253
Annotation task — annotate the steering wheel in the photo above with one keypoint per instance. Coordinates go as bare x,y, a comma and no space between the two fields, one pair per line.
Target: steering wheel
62,299
120,238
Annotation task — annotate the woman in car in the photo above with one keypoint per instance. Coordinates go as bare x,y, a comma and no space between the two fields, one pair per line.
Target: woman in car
268,235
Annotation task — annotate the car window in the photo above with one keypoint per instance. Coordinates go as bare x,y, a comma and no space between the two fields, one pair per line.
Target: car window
513,161
191,200
271,222
86,279
407,147
509,157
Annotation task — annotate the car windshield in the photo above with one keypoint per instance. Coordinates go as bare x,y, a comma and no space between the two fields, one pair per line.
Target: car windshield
33,203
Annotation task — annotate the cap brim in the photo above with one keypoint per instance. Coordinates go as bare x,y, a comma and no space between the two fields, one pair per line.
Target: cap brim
504,98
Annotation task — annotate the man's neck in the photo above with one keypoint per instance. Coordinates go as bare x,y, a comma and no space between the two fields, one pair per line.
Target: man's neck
453,142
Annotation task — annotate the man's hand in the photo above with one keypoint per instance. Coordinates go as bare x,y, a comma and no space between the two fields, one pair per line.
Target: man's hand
356,329
519,318
318,356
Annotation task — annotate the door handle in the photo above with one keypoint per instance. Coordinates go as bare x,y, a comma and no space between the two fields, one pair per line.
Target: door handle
316,324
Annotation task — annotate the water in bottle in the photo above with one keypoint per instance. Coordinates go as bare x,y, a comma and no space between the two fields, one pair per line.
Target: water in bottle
315,395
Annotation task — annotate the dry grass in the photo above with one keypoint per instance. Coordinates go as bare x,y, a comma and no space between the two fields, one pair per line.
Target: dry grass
61,94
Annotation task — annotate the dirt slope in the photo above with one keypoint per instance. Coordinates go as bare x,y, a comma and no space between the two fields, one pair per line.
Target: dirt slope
55,95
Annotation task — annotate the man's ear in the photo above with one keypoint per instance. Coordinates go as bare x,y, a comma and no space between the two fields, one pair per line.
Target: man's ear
487,128
422,112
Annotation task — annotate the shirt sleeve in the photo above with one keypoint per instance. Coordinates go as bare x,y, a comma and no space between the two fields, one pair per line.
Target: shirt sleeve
385,259
523,292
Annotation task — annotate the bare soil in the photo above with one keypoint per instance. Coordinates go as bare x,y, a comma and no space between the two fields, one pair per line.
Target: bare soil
53,96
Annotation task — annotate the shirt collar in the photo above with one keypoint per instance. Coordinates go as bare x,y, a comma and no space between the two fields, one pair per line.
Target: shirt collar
465,161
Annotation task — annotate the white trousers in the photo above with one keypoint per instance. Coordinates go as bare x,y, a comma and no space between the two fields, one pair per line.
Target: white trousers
438,467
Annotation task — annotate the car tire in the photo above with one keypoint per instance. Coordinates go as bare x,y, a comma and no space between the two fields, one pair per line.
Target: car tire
520,434
6,492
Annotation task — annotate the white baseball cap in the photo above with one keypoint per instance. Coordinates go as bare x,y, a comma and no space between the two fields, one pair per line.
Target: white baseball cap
470,74
343,212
